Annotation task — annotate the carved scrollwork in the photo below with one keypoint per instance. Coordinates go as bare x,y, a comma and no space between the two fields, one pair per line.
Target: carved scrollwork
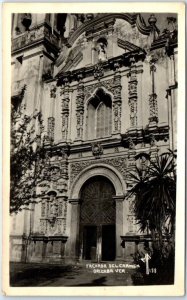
53,215
153,106
89,89
133,97
120,163
98,71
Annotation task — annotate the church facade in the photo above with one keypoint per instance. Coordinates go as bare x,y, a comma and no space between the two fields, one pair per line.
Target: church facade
106,85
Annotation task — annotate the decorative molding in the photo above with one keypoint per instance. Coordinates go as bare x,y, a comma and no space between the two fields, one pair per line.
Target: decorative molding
98,71
110,64
50,128
133,95
80,109
120,163
53,216
127,45
117,87
65,109
153,106
89,89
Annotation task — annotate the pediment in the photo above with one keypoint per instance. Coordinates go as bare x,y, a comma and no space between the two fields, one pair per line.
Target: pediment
82,52
127,46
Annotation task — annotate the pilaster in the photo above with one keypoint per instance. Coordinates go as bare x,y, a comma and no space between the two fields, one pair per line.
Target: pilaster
117,100
153,106
80,107
119,225
133,96
65,109
74,235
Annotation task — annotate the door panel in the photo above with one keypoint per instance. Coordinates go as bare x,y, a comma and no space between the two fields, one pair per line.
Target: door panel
89,242
108,242
97,219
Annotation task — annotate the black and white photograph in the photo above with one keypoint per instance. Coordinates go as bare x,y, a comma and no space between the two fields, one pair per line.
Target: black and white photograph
93,150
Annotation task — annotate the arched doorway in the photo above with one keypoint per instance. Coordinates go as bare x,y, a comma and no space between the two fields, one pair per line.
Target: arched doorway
97,220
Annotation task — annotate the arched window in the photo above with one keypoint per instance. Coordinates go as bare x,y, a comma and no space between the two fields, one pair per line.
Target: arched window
99,122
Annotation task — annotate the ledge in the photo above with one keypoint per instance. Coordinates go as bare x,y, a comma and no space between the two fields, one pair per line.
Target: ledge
46,239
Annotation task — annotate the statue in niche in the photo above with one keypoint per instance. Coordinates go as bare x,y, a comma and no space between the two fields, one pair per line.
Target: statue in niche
53,209
101,49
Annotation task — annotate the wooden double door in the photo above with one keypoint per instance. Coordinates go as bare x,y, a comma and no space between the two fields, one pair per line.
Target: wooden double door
97,220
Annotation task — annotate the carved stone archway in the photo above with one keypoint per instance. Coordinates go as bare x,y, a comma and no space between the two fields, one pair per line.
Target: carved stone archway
116,179
98,169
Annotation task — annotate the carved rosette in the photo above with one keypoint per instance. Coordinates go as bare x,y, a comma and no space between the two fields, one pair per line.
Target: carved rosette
117,100
97,150
65,110
153,106
80,108
133,97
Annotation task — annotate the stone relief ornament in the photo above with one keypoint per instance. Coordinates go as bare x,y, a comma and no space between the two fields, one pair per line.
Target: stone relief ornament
120,163
89,89
53,91
97,150
53,215
131,143
98,71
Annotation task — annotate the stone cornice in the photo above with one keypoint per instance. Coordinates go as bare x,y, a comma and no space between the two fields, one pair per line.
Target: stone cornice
160,132
87,146
134,135
46,239
122,60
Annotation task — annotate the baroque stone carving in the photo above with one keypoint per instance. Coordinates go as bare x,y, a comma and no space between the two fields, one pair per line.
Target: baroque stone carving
131,143
119,163
53,215
117,101
98,71
89,89
65,111
133,97
53,91
80,109
132,226
153,106
97,150
50,129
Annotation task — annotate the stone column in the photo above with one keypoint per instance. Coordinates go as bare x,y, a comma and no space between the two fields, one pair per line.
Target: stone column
117,100
65,109
119,225
50,128
133,97
80,107
153,107
74,234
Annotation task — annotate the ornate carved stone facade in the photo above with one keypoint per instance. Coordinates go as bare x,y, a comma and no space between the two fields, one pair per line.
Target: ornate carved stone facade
80,107
153,96
96,71
133,96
